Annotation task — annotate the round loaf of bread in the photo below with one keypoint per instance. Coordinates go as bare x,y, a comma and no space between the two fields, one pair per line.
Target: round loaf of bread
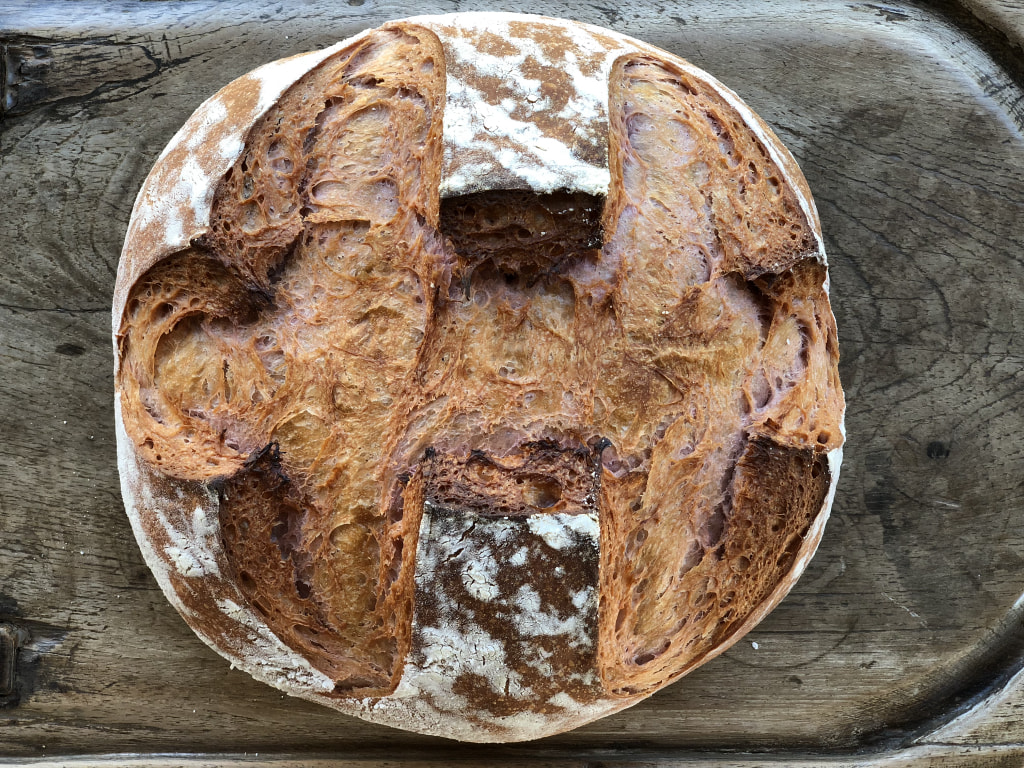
476,375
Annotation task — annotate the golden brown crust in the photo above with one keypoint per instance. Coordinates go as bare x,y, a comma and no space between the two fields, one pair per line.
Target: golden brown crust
228,357
370,394
741,341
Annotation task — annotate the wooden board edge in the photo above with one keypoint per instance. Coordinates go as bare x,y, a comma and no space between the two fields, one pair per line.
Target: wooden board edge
928,756
1006,18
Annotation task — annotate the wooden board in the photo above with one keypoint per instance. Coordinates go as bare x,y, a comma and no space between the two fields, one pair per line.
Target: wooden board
903,643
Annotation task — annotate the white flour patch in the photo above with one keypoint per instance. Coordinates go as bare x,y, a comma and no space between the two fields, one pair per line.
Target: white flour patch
480,130
558,530
482,628
478,577
533,621
277,76
266,658
192,550
519,557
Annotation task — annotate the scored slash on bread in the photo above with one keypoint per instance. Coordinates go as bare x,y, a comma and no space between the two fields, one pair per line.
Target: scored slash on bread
475,403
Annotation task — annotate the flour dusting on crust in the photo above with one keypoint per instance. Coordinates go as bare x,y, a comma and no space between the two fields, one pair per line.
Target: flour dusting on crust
527,103
192,549
494,636
186,547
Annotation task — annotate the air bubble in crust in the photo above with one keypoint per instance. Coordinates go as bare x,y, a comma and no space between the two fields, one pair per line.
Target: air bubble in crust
740,564
760,390
646,657
541,492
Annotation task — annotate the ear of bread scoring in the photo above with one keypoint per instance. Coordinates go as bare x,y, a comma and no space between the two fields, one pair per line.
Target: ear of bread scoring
744,344
384,367
175,520
173,205
325,213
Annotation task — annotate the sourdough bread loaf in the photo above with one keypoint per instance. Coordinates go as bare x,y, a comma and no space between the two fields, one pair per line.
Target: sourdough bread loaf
476,375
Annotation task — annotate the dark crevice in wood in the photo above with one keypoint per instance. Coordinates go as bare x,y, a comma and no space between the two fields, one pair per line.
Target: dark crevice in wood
4,80
990,40
989,37
983,674
61,310
9,103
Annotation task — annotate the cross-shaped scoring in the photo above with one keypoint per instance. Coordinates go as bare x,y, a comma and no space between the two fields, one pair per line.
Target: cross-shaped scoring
327,346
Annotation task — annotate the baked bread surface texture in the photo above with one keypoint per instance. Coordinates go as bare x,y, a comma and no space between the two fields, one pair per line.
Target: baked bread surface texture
477,404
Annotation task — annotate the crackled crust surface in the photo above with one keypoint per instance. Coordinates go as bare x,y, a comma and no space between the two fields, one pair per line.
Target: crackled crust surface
406,366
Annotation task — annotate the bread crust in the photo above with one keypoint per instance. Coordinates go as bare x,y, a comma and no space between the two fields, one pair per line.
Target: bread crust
539,483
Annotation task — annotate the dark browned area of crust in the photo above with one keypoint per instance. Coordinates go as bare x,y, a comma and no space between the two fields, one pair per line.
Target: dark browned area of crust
333,326
520,232
777,492
541,477
267,357
264,532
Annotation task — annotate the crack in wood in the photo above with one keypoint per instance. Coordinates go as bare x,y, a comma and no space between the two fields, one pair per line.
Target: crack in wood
61,310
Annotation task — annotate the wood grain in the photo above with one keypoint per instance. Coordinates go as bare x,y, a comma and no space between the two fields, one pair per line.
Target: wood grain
910,136
1006,17
918,757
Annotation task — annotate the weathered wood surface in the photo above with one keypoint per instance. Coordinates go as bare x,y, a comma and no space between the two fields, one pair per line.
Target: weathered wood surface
1004,17
992,756
896,646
